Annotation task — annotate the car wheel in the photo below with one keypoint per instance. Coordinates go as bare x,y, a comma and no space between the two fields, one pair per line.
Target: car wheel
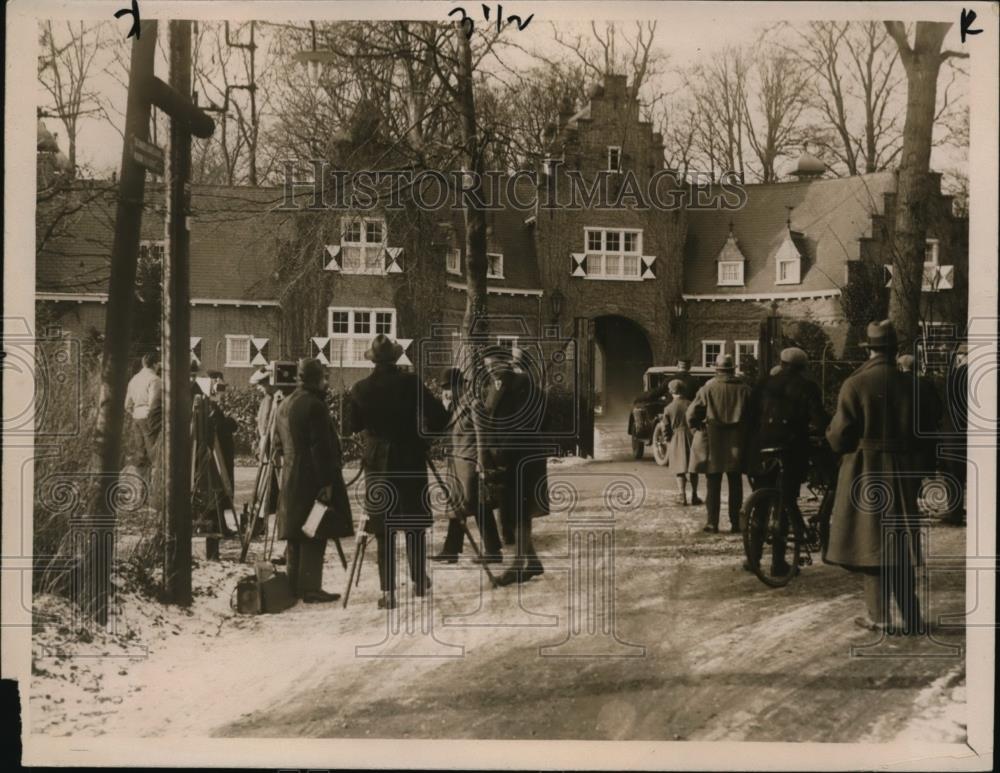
660,445
637,447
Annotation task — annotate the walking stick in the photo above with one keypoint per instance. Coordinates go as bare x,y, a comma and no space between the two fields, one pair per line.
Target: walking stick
354,576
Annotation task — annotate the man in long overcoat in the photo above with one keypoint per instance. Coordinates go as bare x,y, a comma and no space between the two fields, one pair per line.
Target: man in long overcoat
873,429
513,414
307,441
463,456
721,405
395,412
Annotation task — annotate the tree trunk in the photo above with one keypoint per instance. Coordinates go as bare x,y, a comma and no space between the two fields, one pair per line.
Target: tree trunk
475,322
922,63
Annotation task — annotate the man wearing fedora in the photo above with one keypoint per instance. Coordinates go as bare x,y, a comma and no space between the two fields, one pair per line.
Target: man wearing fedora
395,412
786,408
311,471
720,407
873,429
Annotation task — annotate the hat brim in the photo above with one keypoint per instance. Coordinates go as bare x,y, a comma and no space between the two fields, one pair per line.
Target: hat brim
385,356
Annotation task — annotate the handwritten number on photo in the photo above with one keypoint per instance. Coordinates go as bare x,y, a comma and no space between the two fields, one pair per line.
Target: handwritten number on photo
965,25
470,25
134,10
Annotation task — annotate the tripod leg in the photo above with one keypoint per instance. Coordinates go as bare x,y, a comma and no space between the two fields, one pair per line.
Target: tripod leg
364,544
478,552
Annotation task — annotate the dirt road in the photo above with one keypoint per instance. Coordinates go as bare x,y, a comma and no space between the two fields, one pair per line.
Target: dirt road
694,647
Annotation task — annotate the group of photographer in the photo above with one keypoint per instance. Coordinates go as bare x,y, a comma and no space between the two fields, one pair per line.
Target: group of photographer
492,463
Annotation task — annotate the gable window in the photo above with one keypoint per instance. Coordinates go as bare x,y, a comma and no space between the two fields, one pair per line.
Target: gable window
351,331
730,272
237,351
494,265
788,271
613,253
788,262
709,351
614,158
453,261
746,351
151,250
362,245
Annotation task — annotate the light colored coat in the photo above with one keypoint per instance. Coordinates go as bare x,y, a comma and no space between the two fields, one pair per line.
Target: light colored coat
722,405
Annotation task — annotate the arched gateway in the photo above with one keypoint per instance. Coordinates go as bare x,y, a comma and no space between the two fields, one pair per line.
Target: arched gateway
622,354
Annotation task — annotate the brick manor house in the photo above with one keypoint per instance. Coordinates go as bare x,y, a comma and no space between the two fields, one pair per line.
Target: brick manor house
657,284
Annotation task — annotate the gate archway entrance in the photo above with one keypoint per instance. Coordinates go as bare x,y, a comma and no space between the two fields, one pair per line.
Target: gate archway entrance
622,355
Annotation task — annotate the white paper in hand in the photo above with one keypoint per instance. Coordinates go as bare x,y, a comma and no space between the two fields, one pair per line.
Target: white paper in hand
311,525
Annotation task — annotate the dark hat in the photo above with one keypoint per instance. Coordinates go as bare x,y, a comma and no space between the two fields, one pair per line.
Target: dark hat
383,349
308,370
881,335
793,355
724,363
214,373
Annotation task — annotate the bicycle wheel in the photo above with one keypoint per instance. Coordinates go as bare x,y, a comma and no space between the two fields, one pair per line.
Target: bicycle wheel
772,553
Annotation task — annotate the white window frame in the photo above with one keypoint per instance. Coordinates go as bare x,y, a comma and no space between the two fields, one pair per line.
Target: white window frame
491,274
351,338
618,150
935,245
795,278
364,245
747,341
149,244
932,267
704,351
453,261
722,282
233,363
620,254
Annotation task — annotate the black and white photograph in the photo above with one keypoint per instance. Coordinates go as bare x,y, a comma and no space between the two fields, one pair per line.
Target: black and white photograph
483,385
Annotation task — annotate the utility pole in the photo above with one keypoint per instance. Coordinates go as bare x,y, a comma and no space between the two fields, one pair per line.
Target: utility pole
145,90
98,552
177,334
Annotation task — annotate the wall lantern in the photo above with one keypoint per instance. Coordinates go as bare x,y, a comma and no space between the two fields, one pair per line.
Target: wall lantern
556,298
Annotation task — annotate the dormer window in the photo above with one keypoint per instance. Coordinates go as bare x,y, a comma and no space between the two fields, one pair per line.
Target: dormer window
614,158
788,262
730,263
362,244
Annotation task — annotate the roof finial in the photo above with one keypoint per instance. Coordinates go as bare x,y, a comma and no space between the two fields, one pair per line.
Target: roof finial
788,220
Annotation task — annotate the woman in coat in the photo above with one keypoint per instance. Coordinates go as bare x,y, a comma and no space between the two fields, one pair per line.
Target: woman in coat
877,484
307,442
720,406
679,441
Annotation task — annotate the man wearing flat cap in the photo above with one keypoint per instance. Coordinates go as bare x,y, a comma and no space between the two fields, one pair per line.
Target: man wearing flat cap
720,407
786,408
873,428
396,414
311,471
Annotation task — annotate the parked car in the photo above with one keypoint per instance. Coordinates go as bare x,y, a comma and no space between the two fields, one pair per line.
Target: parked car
644,421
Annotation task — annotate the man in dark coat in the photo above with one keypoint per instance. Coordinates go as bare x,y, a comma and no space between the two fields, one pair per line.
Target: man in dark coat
513,413
463,474
306,440
874,430
786,408
721,406
395,412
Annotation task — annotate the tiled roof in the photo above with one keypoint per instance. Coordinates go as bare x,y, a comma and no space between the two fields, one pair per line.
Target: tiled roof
234,238
828,217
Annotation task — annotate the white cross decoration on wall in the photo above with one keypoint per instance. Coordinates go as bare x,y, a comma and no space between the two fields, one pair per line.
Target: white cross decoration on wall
319,349
195,348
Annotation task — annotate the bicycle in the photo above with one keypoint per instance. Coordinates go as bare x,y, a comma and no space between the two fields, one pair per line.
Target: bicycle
766,522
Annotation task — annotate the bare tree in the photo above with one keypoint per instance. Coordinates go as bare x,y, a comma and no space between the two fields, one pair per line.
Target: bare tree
922,60
772,118
719,90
